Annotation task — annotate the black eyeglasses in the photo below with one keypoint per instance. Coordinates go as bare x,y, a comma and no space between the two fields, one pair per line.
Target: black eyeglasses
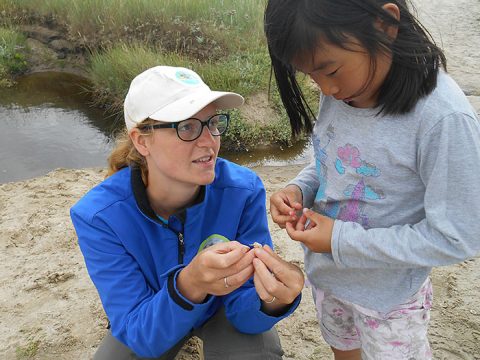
191,129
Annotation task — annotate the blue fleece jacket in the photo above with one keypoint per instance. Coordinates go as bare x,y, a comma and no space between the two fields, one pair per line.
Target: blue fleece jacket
133,258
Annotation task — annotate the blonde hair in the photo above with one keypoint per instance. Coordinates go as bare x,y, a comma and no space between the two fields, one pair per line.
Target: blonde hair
126,154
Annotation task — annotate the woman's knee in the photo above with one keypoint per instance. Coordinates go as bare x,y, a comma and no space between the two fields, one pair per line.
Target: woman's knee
222,341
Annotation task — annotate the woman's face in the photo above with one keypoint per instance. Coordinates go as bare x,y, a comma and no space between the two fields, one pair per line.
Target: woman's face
172,161
347,75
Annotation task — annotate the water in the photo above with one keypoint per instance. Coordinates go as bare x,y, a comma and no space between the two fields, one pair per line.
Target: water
46,122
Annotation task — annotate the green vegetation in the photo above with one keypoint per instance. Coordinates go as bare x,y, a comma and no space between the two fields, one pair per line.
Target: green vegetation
222,40
29,351
12,55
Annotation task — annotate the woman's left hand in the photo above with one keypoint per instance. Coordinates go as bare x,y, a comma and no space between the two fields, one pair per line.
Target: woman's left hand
278,282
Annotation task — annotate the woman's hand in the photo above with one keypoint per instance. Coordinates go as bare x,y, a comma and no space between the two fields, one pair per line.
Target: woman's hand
284,205
278,282
217,270
313,230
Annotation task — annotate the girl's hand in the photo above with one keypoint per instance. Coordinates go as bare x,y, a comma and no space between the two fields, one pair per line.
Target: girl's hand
313,230
217,270
278,282
284,205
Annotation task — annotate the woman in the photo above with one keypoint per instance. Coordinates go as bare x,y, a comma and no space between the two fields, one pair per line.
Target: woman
155,234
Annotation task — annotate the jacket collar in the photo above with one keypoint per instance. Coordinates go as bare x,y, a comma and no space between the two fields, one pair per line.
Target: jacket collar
140,194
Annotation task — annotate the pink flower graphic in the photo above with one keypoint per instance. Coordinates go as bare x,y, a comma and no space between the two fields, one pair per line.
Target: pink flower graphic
350,155
396,343
372,323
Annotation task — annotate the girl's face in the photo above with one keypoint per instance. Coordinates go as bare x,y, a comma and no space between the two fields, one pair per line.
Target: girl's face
174,163
347,75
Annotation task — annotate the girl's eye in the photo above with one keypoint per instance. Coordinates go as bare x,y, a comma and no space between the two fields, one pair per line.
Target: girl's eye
332,73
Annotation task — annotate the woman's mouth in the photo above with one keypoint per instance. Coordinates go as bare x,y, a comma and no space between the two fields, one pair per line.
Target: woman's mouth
204,160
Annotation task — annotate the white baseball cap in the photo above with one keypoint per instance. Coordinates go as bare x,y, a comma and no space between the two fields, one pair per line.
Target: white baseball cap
171,94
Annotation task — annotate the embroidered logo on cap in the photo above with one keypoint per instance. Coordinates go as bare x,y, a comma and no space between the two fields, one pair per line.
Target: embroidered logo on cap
187,78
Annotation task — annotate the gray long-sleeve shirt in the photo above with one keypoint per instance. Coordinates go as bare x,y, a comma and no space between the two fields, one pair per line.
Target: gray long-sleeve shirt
404,190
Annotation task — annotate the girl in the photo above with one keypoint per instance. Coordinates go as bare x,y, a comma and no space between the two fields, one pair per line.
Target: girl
155,233
394,184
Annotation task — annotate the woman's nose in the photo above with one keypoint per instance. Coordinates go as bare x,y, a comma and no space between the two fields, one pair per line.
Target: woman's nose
206,136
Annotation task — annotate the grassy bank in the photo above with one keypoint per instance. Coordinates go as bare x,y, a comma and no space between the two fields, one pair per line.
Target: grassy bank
220,39
12,55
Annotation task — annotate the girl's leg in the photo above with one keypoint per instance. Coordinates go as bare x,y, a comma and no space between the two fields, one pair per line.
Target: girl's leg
335,318
400,334
347,355
222,341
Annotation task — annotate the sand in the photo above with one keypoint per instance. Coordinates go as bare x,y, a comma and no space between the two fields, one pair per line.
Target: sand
49,309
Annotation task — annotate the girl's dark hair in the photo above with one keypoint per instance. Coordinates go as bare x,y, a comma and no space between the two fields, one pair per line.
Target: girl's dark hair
294,27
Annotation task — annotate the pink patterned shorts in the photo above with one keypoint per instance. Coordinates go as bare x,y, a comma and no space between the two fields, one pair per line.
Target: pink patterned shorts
399,334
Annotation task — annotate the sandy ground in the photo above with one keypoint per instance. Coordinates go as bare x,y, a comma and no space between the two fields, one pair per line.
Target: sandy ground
50,310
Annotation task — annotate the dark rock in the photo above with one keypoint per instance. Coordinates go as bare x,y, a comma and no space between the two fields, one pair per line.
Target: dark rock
41,33
62,45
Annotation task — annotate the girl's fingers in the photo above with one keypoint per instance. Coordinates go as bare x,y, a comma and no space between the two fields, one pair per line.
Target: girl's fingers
297,235
300,226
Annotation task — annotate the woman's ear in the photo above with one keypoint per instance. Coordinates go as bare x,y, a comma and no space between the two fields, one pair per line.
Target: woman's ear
390,30
139,141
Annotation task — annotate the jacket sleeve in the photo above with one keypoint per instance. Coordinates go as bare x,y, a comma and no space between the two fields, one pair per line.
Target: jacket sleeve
148,322
448,160
242,307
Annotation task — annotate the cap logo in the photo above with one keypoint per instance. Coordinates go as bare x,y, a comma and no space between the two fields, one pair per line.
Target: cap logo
187,78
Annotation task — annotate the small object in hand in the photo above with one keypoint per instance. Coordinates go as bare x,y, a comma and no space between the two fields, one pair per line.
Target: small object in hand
255,245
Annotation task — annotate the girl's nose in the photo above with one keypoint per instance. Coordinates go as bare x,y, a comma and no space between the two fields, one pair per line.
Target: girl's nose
326,86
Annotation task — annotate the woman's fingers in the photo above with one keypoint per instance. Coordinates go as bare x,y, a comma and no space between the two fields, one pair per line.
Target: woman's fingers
272,261
224,255
268,284
286,274
261,291
238,279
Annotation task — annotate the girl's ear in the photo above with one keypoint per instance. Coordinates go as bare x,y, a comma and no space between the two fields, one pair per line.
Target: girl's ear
139,141
390,30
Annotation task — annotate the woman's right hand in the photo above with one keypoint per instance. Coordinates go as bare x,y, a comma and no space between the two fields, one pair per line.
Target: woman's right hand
217,270
284,205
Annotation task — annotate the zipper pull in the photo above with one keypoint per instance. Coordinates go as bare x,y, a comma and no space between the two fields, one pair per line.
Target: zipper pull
181,248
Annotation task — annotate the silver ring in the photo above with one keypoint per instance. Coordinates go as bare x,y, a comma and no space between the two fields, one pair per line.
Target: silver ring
226,282
271,301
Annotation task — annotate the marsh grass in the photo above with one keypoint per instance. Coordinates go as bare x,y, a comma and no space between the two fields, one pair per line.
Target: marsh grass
101,21
12,55
222,40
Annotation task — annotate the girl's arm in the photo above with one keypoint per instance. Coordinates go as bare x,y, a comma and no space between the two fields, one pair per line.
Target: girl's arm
308,182
449,165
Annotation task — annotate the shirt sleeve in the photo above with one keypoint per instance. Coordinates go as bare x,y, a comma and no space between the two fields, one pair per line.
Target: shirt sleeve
242,306
448,160
148,322
308,182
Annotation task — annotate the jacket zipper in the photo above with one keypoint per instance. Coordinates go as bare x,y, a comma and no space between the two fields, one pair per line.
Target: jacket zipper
181,248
